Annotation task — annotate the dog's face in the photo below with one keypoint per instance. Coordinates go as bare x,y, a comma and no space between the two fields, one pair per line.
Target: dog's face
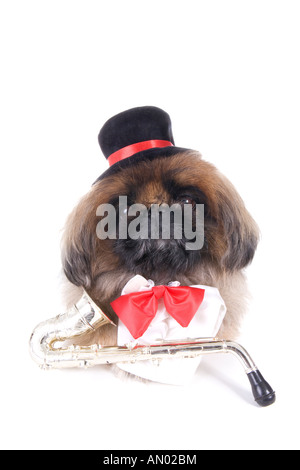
230,234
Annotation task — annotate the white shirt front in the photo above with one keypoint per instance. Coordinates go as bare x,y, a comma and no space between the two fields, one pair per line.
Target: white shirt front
205,323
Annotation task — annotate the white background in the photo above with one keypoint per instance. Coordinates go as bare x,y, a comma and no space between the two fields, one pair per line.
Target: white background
228,73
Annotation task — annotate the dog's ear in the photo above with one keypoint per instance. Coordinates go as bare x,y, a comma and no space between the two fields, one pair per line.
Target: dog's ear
76,261
240,231
78,246
84,255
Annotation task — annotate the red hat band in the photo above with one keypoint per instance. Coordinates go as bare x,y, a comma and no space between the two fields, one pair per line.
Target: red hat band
130,150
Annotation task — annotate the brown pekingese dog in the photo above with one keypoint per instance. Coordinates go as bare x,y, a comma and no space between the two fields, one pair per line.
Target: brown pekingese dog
148,169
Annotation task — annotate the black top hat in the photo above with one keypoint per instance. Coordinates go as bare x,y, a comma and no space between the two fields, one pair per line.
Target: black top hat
137,134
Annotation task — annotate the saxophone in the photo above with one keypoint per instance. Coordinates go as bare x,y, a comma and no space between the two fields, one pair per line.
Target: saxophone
48,351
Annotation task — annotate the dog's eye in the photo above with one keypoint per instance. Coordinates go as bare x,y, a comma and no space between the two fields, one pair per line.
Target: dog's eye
187,200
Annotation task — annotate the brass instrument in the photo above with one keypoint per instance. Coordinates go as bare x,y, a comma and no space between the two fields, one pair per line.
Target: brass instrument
86,316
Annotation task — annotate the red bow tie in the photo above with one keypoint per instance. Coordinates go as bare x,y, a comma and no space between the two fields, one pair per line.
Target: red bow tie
137,310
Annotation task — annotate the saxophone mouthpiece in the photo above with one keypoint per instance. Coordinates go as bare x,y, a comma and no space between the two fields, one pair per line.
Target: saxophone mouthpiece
263,393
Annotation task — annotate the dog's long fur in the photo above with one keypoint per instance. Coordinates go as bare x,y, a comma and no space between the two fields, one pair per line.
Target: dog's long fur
102,267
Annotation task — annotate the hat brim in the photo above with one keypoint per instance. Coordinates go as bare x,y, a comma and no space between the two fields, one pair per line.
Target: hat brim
146,155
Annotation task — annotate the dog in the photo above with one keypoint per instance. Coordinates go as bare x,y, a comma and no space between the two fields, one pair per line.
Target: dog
156,176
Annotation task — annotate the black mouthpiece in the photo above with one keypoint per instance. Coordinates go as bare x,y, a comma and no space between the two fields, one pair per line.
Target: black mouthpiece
263,394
